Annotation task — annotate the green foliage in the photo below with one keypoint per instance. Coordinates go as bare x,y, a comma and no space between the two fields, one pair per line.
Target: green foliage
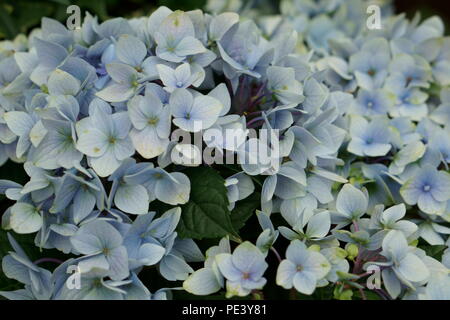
244,210
206,215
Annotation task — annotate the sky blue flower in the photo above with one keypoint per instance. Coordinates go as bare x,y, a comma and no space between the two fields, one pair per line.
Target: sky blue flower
131,51
172,188
50,56
392,219
304,145
130,198
267,238
57,230
58,146
239,186
429,189
317,225
104,138
17,265
437,58
21,124
409,102
244,51
411,71
302,268
289,182
282,83
151,125
25,218
243,269
403,266
176,38
103,246
369,139
322,29
85,192
208,279
179,78
144,240
370,64
351,204
441,114
93,286
124,83
376,102
194,113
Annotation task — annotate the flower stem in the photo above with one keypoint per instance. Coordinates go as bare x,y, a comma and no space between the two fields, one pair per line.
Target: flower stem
42,260
254,120
257,295
276,254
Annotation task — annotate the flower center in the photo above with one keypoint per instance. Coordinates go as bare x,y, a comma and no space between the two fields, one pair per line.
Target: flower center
179,84
246,275
299,268
426,188
157,175
153,121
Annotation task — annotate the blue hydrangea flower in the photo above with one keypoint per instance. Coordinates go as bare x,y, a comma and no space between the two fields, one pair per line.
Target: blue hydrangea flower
176,38
172,188
104,138
370,63
403,266
243,269
369,139
429,189
193,113
179,78
370,103
282,83
351,204
151,125
302,268
208,280
16,265
103,246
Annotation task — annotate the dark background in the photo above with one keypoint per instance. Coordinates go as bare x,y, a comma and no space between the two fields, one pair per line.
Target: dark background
21,15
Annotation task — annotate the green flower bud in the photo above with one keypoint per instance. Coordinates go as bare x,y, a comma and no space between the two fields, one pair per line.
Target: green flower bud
341,253
346,295
352,250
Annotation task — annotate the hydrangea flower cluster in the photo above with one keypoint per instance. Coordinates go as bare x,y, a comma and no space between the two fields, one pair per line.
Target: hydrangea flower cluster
359,185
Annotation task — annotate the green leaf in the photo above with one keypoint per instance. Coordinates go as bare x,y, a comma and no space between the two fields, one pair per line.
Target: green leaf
206,215
6,23
434,251
244,209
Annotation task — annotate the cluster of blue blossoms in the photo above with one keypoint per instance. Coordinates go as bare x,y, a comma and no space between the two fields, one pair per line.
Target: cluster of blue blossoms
361,183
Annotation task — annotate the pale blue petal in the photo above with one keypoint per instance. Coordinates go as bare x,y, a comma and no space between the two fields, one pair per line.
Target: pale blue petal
132,199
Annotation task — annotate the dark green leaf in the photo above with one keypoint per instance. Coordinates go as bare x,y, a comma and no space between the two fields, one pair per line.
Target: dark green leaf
434,251
206,215
244,209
